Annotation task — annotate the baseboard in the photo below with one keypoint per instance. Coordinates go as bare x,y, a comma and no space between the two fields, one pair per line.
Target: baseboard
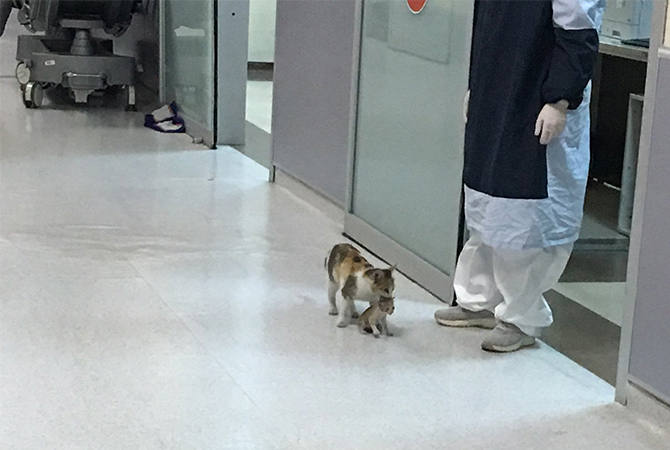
310,196
652,408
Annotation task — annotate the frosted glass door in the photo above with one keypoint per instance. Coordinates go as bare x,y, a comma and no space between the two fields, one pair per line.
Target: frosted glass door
188,28
408,153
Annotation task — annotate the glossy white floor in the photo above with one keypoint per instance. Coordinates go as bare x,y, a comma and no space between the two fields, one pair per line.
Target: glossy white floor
156,295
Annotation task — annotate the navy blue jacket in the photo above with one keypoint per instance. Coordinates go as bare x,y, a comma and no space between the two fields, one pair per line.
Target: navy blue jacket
525,54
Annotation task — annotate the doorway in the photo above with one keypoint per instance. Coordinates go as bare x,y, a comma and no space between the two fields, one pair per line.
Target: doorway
260,76
589,301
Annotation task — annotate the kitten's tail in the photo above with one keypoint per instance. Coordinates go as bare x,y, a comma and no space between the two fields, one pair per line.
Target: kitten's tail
328,263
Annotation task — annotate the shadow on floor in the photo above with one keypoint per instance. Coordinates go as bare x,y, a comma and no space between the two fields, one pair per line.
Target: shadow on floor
258,145
583,336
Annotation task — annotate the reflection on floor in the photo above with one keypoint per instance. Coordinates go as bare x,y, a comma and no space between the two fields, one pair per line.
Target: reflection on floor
589,301
258,145
587,324
588,308
158,295
583,336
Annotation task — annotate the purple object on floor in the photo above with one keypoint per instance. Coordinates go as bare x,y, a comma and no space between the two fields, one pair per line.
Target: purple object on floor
166,120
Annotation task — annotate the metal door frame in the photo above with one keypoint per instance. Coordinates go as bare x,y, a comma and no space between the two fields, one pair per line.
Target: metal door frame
656,50
411,265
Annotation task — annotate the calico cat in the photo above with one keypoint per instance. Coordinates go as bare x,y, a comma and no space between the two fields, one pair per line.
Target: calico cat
376,315
351,277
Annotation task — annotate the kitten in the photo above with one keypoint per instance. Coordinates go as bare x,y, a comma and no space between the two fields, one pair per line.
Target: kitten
351,277
376,315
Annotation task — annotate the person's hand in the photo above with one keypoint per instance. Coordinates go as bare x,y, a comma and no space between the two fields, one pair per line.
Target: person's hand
551,121
466,106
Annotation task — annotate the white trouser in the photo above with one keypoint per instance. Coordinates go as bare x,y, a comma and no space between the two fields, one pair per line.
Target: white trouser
509,283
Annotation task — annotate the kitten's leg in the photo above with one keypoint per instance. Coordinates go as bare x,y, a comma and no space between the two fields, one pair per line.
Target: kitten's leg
361,327
385,327
375,330
343,310
332,293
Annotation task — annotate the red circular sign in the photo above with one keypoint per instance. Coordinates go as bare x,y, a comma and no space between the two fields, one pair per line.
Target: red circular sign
416,6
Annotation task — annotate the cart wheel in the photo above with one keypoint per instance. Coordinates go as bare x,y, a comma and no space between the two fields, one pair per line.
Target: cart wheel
22,74
130,99
33,95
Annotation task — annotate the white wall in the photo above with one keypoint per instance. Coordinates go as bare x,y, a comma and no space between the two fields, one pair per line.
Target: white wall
667,29
262,14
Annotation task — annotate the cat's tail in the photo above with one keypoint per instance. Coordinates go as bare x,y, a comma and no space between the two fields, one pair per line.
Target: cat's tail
326,260
327,265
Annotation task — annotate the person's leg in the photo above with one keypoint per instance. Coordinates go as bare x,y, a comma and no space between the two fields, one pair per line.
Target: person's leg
474,280
475,288
523,276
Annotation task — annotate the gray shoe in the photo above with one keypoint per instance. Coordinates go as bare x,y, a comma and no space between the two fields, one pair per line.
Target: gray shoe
455,316
507,338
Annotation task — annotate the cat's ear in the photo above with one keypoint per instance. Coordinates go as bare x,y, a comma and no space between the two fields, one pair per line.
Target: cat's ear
393,268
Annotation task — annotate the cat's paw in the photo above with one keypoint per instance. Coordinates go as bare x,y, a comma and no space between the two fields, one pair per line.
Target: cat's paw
333,312
342,324
390,334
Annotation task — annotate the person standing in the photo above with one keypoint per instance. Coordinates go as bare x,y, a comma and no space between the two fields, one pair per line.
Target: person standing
526,162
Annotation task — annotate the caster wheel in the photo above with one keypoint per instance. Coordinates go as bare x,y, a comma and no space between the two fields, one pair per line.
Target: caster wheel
22,74
33,95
